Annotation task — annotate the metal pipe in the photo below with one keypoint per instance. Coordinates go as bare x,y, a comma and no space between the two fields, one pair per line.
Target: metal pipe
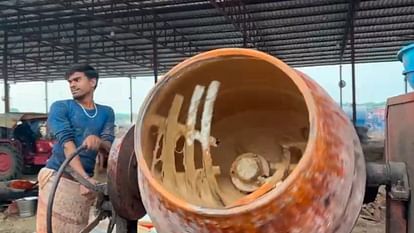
155,52
244,30
130,98
46,98
392,174
5,75
406,84
340,85
75,43
354,115
378,174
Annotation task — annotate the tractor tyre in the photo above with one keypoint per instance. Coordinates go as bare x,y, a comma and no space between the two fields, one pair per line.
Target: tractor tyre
11,163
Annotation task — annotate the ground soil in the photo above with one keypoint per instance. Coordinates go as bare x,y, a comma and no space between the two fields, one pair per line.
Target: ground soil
27,225
371,220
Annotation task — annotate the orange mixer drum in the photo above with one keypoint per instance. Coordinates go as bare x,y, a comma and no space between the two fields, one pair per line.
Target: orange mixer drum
235,140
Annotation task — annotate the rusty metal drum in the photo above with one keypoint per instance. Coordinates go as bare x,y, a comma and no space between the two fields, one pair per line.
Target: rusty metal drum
122,178
235,140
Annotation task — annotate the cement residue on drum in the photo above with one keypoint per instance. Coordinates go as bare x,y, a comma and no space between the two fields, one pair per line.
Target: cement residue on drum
222,163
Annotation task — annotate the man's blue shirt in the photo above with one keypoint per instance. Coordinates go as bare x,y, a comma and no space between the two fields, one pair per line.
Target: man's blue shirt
67,121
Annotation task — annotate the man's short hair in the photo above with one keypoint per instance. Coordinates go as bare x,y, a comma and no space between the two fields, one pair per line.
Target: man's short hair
88,70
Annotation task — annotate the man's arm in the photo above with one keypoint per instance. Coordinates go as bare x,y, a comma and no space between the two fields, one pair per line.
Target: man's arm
60,126
108,133
105,147
69,148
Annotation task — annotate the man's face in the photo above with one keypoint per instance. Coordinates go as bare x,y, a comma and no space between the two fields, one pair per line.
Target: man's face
80,85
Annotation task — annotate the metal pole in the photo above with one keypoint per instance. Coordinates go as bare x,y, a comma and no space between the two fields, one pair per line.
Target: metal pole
354,115
244,30
406,84
75,43
340,85
155,52
130,97
46,98
5,75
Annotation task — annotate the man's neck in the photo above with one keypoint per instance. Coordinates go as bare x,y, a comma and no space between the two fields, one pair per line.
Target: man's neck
86,102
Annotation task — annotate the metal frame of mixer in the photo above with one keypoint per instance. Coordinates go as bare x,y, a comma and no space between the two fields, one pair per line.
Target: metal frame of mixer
399,147
397,170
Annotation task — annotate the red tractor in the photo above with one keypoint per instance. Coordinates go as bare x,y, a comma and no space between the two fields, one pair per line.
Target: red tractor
24,143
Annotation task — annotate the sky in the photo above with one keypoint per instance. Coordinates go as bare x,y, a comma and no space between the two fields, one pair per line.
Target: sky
375,82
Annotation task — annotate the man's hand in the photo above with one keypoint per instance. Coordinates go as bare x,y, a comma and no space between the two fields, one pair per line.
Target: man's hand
84,191
92,142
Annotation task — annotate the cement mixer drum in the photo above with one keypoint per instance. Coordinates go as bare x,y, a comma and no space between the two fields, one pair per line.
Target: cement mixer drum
234,140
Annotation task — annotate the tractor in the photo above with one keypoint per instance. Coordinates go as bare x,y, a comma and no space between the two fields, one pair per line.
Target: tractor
25,144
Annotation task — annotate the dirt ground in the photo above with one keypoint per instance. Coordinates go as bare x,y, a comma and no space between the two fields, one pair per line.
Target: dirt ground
27,225
372,216
17,225
371,220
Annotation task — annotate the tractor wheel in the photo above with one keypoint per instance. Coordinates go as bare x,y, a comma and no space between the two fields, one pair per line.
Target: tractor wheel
11,163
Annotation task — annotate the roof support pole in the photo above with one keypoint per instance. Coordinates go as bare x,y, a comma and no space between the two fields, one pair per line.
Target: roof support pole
354,113
341,86
405,85
46,97
349,31
244,16
155,52
130,99
75,43
5,75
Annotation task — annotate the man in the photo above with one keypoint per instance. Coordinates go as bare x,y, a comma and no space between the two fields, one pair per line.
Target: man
74,122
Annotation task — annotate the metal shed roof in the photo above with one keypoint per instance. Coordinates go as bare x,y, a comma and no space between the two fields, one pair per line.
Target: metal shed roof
40,38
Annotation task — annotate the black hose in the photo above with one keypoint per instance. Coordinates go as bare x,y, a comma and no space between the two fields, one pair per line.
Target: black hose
55,184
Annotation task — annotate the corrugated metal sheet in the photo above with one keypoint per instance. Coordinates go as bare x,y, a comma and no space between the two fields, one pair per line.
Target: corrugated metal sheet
117,36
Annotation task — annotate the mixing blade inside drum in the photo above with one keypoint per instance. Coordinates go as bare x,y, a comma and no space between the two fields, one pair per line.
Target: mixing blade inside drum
222,145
